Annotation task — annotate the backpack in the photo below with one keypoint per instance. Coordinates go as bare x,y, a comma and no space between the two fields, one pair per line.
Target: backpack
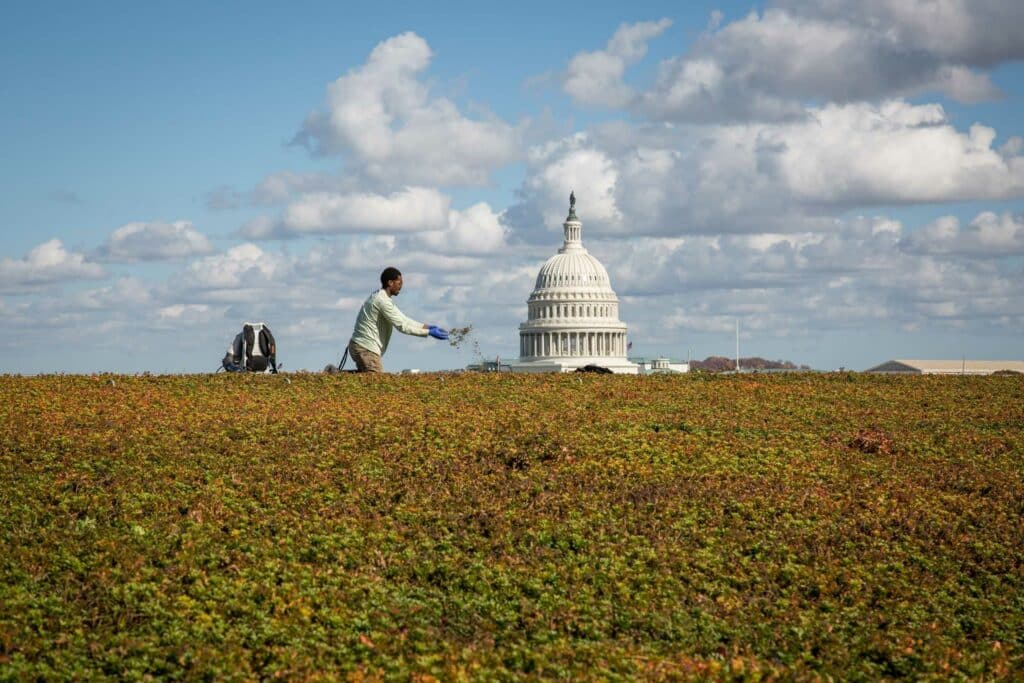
253,350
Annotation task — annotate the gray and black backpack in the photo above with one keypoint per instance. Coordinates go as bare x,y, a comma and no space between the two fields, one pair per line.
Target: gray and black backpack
253,350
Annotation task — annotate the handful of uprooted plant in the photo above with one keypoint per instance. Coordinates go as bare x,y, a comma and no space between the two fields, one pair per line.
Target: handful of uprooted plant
457,336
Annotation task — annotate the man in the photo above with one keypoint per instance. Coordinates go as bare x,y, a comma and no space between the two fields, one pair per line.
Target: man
376,320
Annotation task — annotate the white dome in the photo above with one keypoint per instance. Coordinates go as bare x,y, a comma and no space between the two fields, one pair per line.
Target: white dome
571,270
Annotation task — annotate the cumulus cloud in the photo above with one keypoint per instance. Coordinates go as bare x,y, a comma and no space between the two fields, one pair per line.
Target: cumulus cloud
153,241
760,177
409,210
765,66
176,312
572,164
413,208
46,264
895,152
384,118
596,77
245,266
629,182
126,294
971,32
987,235
476,230
422,216
248,277
278,188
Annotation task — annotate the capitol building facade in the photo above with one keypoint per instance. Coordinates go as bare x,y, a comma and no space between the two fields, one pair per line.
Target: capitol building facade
573,313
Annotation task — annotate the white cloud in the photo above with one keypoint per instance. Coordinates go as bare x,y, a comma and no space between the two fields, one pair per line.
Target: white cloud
596,77
179,311
46,264
971,32
476,230
966,85
384,117
766,66
313,329
422,216
698,320
409,210
153,241
245,266
573,164
760,178
360,254
279,187
987,235
895,152
125,294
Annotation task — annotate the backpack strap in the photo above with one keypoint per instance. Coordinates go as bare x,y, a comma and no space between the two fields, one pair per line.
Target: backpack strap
249,335
344,357
269,347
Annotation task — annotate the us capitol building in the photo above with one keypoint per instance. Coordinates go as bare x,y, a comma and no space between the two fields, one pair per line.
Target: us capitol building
573,313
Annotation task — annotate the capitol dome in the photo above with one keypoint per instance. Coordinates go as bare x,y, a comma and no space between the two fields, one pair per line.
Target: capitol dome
573,312
574,268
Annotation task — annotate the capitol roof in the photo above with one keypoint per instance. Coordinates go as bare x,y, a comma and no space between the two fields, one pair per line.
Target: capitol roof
572,268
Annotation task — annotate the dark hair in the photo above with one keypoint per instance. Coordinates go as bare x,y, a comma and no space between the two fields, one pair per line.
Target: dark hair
388,275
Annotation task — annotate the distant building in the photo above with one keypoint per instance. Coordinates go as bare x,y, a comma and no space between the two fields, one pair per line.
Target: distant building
573,313
948,367
489,366
661,365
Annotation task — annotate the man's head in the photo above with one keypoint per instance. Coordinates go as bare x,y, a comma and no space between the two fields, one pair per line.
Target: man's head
391,281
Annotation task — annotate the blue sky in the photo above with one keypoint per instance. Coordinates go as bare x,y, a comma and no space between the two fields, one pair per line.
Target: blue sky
845,178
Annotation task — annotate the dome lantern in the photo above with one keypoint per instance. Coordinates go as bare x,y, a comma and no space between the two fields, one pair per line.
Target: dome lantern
572,227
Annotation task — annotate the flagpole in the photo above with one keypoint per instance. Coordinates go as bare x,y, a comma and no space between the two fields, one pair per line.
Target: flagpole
737,346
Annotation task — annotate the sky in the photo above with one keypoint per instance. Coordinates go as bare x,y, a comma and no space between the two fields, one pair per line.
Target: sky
844,178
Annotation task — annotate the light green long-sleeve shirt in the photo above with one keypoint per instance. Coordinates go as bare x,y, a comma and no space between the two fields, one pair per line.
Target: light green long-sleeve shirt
377,318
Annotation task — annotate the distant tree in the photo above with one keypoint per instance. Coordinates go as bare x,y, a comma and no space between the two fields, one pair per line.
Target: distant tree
723,364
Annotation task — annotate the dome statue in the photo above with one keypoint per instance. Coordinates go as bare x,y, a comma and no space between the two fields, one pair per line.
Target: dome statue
573,313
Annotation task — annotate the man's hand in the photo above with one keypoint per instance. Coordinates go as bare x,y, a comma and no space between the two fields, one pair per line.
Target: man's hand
438,332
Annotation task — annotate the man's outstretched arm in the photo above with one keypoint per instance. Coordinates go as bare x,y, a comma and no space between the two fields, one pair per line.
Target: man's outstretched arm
402,323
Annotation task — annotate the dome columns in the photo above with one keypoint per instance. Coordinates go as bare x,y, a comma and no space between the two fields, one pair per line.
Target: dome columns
571,344
572,310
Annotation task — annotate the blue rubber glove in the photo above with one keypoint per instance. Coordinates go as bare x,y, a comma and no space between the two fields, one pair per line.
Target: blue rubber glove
438,332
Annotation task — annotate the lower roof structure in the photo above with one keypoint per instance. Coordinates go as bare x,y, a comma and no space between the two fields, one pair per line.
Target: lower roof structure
948,367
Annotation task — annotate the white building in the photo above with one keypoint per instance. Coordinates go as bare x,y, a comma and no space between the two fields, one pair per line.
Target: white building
948,367
661,365
573,313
